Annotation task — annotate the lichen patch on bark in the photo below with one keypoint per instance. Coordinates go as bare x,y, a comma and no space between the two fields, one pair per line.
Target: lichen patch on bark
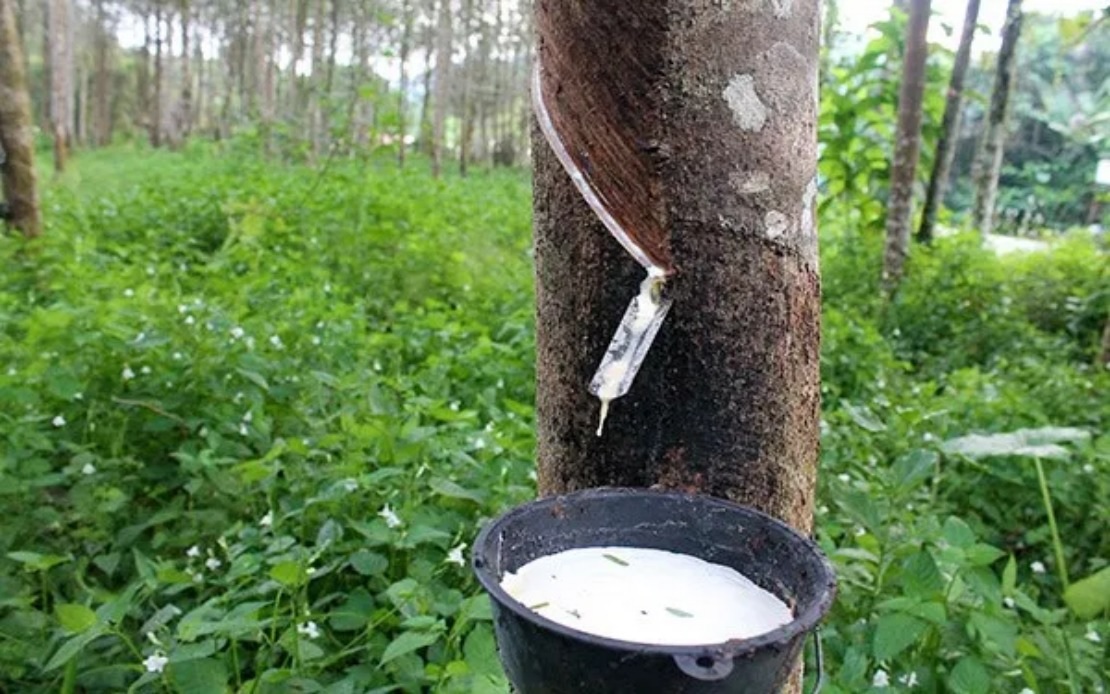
748,112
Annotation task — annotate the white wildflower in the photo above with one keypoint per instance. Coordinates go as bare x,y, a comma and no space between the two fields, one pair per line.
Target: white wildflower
275,340
454,406
189,320
213,563
1088,468
1008,602
478,443
267,521
1092,636
145,370
844,477
88,469
350,485
881,680
377,365
58,421
237,333
310,570
909,680
243,430
129,292
327,287
308,629
316,339
177,356
455,556
182,308
193,552
248,416
127,374
78,396
1037,567
1027,690
391,518
156,662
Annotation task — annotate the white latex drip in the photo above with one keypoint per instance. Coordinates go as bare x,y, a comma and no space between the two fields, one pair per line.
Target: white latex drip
645,314
646,596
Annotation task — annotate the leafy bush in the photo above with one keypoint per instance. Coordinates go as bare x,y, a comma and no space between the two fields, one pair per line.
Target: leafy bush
253,416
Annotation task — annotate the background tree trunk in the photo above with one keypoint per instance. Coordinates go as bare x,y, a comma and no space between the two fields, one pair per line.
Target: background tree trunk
185,111
17,173
102,108
402,94
442,85
715,109
949,128
316,107
994,134
61,81
156,109
907,147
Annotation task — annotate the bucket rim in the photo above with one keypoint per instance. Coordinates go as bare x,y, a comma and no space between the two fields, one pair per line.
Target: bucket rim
804,622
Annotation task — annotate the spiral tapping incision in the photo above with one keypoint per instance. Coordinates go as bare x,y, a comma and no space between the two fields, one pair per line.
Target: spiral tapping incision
646,311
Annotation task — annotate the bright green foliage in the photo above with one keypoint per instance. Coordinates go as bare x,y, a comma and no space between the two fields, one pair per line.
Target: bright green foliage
259,414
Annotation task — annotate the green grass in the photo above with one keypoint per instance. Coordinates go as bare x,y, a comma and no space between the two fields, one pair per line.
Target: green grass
249,413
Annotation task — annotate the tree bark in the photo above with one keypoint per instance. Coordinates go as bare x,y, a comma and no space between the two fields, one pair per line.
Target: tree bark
61,81
185,126
316,125
466,131
156,110
402,94
949,127
293,103
994,136
708,111
17,172
907,147
442,85
102,112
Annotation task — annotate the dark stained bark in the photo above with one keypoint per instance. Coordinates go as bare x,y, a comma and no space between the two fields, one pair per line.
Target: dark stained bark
949,128
17,172
716,106
994,137
907,147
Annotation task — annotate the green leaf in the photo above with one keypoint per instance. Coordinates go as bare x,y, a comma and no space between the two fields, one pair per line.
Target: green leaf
369,563
71,648
1009,577
920,575
408,642
864,417
200,676
914,468
75,618
452,490
33,561
895,633
969,677
289,573
1034,443
354,613
1090,597
958,533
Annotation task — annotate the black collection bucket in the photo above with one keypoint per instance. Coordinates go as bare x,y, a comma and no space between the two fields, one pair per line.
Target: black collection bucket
543,657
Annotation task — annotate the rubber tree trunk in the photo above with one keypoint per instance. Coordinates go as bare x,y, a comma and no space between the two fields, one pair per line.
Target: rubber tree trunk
61,81
442,85
949,128
907,147
697,119
994,136
156,109
17,172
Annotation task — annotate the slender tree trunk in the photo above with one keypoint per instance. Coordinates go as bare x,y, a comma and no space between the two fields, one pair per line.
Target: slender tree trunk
47,85
402,94
425,135
156,110
186,108
61,81
698,119
907,146
356,125
1103,360
949,128
102,114
466,132
316,107
440,102
292,101
994,136
17,170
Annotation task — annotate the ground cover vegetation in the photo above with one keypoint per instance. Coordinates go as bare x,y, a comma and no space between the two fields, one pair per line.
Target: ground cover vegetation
253,416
